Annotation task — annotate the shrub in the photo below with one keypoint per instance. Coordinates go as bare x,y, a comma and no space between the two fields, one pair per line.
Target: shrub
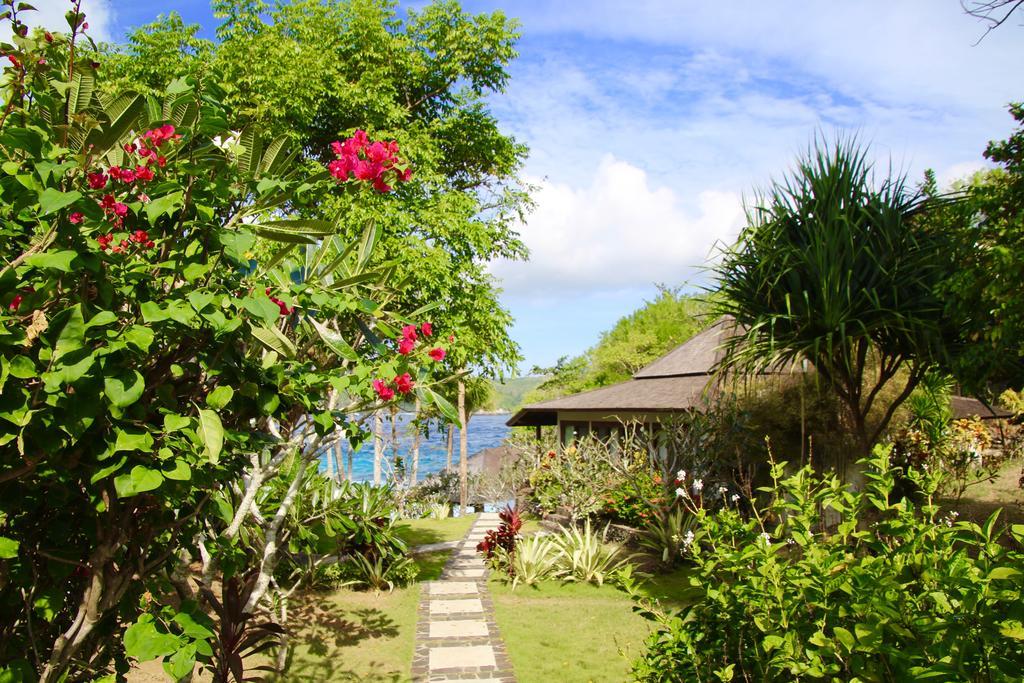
892,593
534,560
636,499
499,545
586,556
668,535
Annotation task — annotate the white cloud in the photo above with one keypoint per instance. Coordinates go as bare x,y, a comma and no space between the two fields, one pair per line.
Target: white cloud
624,229
99,14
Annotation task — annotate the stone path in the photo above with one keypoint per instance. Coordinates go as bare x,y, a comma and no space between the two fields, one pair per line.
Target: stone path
456,637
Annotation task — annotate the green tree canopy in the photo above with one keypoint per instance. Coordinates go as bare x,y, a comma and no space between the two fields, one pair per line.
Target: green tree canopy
838,267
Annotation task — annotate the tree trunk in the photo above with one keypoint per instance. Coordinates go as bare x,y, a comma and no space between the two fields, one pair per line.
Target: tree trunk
414,473
395,457
463,451
348,449
451,447
378,446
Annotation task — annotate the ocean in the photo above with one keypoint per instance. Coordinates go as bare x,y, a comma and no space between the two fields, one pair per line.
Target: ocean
485,431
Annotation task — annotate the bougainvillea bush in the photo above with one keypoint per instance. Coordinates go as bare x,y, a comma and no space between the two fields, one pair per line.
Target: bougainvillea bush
824,583
172,331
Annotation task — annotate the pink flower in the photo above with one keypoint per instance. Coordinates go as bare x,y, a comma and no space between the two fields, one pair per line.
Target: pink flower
75,218
97,180
120,209
404,383
406,346
437,354
143,174
127,176
427,329
403,176
409,332
380,185
384,392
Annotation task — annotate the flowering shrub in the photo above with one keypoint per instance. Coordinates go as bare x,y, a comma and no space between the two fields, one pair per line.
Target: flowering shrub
636,499
892,593
150,356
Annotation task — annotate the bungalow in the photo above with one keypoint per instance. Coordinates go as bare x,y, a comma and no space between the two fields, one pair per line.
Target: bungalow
680,381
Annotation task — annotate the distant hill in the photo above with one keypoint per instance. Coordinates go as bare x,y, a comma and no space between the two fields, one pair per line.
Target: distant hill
509,395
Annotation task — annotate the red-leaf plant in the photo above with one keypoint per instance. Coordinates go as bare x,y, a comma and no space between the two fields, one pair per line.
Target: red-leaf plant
504,537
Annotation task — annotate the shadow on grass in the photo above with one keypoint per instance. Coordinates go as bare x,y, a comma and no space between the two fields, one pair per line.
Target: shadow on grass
332,670
431,565
418,535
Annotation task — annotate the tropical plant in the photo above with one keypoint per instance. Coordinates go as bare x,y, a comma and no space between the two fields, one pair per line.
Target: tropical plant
240,634
668,534
535,559
379,573
891,592
841,269
586,556
503,539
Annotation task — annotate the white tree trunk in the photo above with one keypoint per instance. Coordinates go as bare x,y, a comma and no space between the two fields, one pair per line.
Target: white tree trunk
378,446
414,472
451,447
463,451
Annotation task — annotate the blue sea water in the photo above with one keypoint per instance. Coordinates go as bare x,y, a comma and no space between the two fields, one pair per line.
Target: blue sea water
485,431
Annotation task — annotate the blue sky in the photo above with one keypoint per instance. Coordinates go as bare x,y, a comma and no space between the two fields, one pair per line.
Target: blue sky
648,123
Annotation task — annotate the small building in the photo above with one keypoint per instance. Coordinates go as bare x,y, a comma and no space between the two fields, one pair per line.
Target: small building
682,380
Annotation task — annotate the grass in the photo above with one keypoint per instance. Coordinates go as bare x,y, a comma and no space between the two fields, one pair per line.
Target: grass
576,632
983,498
346,635
423,531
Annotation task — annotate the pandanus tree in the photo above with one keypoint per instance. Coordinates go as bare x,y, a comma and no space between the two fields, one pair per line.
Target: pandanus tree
839,267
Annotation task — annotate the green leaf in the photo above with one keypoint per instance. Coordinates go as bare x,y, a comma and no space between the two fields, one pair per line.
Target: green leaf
274,340
139,337
134,440
334,341
174,422
139,480
163,205
844,637
294,230
52,200
771,643
198,626
219,397
72,335
124,388
143,642
211,433
181,663
179,471
1003,573
8,548
261,307
446,408
54,260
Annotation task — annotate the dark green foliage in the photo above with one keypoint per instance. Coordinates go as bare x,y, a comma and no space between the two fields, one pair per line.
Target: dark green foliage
240,634
887,591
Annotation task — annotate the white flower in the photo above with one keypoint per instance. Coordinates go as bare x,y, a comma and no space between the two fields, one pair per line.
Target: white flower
681,475
722,490
688,539
735,497
698,484
680,492
790,541
766,537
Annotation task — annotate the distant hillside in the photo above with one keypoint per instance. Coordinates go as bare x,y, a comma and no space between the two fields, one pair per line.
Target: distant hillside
509,396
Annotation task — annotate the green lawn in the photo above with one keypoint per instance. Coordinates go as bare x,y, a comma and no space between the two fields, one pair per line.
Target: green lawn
423,531
575,633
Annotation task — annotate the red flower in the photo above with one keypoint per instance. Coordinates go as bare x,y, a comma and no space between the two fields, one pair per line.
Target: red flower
437,354
115,172
161,162
158,136
14,61
409,332
427,329
104,241
383,390
403,176
380,185
97,180
120,209
127,176
75,218
405,346
143,174
404,383
140,236
129,147
15,302
48,36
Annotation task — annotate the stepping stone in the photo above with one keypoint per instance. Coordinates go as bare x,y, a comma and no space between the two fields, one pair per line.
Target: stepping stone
456,606
452,588
461,657
466,573
461,628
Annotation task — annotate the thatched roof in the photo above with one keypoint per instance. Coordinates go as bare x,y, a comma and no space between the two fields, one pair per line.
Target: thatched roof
699,355
962,406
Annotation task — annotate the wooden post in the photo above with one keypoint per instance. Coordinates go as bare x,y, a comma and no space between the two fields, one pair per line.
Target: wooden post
463,450
378,446
415,443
